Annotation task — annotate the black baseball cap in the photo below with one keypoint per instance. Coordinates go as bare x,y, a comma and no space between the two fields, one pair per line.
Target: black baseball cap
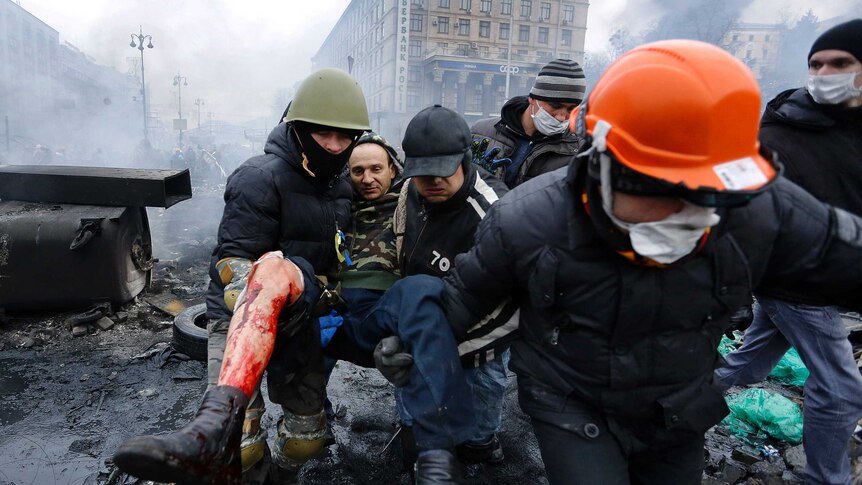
436,142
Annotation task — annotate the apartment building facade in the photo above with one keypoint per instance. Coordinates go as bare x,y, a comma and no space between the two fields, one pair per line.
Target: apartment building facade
462,54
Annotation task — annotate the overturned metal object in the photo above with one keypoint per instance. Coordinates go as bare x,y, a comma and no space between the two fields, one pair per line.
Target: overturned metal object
123,187
73,237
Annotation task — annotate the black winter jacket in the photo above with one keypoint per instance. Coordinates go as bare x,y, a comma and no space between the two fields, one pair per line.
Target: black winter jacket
272,203
436,233
638,342
819,145
546,153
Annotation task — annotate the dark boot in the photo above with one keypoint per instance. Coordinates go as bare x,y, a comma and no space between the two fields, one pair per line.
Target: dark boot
437,467
490,452
207,450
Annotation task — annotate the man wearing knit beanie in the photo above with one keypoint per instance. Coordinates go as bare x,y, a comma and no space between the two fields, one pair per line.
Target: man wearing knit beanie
530,134
817,133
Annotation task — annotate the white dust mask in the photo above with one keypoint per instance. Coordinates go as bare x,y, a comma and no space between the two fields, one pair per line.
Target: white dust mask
547,124
665,241
833,88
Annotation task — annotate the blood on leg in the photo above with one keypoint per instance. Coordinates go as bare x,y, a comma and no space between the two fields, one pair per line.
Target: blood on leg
272,283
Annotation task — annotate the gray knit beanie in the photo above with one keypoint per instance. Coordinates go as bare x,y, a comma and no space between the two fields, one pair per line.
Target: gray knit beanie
561,81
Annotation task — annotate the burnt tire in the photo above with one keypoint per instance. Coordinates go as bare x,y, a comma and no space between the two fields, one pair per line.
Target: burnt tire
190,332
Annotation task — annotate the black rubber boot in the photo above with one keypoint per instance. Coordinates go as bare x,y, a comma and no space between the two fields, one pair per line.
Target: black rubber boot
437,467
490,452
207,450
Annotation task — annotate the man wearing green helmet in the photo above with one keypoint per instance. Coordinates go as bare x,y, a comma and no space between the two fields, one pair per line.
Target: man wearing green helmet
289,199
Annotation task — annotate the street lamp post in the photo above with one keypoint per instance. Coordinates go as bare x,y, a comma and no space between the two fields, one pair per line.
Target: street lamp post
179,82
199,102
140,37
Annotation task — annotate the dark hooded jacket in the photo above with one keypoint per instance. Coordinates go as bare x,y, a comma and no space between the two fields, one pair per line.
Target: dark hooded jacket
635,342
544,153
436,233
819,145
272,203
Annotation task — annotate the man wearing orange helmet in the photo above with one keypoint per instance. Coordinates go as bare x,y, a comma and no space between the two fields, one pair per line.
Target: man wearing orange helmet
817,130
628,266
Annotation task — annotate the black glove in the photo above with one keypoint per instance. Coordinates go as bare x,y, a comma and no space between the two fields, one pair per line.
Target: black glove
391,360
740,320
487,159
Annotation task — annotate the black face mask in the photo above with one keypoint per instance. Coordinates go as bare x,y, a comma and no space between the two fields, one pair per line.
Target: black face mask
324,165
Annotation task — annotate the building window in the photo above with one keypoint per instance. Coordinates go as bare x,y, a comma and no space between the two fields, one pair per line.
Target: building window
504,31
465,4
415,48
414,2
766,38
765,54
443,25
485,6
526,8
506,7
568,13
484,52
545,55
748,54
545,13
416,22
413,98
543,35
462,50
524,33
473,102
484,28
735,37
464,27
751,38
444,4
414,74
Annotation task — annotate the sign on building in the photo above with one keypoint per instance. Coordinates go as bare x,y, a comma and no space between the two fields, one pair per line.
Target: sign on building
402,54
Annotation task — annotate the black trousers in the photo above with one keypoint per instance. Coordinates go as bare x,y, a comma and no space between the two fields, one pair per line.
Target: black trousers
582,446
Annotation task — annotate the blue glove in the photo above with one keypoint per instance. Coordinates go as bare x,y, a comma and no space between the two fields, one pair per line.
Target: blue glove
328,325
486,158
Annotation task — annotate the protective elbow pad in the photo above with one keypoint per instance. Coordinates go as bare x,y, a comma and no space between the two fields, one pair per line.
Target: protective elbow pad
300,438
233,273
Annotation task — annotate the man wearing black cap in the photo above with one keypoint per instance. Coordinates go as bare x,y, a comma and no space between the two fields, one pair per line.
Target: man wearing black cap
443,203
530,130
817,133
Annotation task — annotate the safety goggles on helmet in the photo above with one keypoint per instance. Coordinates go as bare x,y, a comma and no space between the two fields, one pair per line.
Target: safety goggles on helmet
626,180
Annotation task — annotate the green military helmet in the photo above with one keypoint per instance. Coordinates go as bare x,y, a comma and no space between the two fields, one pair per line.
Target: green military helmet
330,97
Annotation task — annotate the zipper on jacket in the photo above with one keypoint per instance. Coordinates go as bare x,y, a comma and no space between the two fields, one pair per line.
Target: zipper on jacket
424,215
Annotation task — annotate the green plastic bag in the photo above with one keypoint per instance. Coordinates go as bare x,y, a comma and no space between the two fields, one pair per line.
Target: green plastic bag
790,370
771,413
727,345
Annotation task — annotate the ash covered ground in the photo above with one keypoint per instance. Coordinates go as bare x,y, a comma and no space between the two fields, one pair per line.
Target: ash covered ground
67,402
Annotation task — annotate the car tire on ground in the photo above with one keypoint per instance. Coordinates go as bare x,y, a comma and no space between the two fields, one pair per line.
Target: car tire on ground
190,332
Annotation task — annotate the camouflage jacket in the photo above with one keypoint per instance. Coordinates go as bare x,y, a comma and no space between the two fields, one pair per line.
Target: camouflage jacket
372,244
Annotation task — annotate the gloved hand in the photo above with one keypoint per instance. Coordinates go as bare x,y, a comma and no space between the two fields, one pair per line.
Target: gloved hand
487,159
391,360
740,320
328,325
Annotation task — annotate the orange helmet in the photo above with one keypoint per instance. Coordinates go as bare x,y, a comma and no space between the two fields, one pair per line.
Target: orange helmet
684,114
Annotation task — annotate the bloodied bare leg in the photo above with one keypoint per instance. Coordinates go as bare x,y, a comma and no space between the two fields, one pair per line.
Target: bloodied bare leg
207,450
273,283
